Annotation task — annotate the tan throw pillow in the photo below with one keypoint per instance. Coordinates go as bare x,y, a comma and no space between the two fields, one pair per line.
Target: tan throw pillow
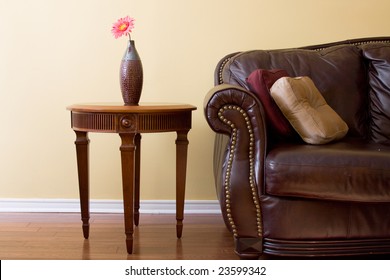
307,111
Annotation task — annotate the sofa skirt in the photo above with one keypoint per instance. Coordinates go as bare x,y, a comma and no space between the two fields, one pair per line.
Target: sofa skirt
295,218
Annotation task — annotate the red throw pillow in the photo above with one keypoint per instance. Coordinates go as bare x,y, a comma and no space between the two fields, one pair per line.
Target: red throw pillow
260,81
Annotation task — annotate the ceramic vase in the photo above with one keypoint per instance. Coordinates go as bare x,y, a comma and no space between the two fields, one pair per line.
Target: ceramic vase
131,75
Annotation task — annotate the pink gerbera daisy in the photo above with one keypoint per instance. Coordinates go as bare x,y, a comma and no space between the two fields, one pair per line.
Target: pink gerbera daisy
122,27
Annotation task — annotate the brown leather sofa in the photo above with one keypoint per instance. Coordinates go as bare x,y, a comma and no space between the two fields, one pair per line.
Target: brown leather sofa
282,196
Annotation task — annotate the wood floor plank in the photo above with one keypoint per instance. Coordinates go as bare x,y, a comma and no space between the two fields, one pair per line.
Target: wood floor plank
59,236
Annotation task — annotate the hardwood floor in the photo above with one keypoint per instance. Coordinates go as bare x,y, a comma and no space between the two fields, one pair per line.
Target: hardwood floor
58,236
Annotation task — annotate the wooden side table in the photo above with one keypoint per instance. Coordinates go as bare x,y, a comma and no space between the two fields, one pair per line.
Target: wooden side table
129,122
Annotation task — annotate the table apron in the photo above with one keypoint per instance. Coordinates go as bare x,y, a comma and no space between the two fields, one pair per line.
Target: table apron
130,122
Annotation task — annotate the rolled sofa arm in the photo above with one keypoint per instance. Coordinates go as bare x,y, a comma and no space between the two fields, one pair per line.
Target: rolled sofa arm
237,113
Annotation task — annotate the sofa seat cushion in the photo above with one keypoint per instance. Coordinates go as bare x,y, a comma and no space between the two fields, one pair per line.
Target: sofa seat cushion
344,171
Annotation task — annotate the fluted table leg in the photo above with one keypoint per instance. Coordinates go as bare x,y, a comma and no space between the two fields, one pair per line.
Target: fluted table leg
181,170
137,178
82,150
128,170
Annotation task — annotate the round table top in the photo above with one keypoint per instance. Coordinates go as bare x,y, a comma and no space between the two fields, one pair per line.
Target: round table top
120,108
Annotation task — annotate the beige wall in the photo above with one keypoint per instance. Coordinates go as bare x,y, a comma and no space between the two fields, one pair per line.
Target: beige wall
55,53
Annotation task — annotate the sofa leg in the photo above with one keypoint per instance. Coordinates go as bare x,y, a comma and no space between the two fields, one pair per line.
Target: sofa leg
248,248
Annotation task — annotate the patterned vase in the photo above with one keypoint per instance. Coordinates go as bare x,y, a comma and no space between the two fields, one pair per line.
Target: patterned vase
131,75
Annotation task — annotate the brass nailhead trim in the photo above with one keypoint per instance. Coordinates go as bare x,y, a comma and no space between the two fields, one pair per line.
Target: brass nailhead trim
220,79
229,167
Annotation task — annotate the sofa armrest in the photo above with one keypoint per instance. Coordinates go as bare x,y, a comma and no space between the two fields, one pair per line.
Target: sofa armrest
236,112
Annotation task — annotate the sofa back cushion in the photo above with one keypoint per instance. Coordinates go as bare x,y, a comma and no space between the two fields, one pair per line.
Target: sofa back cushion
338,72
378,60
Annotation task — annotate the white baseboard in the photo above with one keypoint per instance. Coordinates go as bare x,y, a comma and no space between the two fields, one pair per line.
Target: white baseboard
106,206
